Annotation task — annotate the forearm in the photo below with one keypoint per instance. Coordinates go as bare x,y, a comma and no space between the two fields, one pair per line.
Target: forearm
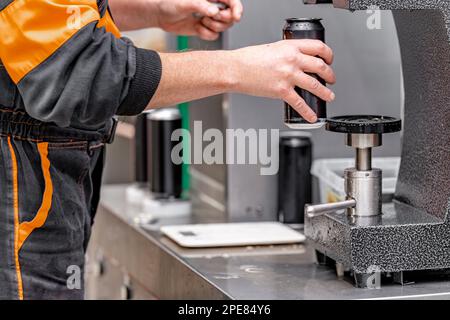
128,15
269,71
194,75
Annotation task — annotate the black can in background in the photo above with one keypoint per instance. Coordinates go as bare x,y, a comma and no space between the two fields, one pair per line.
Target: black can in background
165,175
140,147
305,28
294,178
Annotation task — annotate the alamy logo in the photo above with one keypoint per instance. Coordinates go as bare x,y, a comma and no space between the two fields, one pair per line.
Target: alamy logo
74,20
374,19
74,280
374,280
243,147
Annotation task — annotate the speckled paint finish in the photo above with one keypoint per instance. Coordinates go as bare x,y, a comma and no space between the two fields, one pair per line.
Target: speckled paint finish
402,239
415,233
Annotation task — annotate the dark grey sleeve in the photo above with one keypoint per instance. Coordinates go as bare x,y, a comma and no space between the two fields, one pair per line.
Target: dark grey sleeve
91,78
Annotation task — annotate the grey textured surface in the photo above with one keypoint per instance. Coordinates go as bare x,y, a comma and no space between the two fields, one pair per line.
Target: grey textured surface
403,239
413,234
424,180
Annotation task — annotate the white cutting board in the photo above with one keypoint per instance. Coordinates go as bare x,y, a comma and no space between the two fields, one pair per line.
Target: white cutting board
232,234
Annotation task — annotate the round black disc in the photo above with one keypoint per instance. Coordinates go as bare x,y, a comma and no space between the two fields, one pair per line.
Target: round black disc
364,124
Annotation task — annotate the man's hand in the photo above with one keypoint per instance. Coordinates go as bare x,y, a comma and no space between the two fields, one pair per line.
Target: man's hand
179,17
272,71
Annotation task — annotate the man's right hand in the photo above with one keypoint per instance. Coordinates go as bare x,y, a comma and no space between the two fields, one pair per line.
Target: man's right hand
274,70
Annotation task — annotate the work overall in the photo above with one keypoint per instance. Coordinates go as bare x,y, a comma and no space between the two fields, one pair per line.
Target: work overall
50,181
65,72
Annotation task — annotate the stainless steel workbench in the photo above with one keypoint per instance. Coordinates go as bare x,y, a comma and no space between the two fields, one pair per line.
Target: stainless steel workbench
128,261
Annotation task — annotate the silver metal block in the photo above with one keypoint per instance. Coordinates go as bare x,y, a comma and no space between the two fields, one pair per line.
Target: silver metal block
364,141
366,188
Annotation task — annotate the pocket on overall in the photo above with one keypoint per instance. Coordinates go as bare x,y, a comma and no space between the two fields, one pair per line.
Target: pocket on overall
52,177
53,215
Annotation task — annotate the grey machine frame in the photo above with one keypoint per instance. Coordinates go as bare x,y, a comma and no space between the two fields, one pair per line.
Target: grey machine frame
413,232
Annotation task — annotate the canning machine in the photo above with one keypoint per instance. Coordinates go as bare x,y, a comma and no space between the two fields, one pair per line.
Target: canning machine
409,237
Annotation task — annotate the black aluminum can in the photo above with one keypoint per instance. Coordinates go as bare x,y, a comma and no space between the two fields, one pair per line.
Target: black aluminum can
294,177
165,176
141,170
305,28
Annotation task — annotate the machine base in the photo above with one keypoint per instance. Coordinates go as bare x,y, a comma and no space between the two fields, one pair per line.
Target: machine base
377,279
394,246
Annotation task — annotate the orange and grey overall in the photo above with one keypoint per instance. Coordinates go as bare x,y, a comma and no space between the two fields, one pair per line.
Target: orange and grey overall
65,72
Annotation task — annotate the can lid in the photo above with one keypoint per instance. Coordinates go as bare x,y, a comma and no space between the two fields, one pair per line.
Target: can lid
166,114
295,134
292,20
296,142
295,139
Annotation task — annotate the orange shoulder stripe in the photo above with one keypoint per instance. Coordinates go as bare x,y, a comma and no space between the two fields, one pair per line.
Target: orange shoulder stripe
32,30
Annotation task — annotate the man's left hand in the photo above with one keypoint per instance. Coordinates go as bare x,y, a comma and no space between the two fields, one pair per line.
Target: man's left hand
181,17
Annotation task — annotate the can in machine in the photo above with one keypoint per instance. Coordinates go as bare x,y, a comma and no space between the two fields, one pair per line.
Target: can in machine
305,28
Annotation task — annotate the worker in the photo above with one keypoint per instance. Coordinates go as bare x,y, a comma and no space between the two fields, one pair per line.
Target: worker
65,72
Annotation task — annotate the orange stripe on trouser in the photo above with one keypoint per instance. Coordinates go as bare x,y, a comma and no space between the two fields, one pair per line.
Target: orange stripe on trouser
23,230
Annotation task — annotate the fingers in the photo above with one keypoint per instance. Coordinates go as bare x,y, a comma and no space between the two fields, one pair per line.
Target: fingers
314,86
215,25
202,7
299,105
225,16
205,33
235,12
315,48
214,20
208,9
318,66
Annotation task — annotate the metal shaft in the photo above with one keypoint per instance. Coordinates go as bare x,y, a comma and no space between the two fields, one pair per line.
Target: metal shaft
364,159
312,211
